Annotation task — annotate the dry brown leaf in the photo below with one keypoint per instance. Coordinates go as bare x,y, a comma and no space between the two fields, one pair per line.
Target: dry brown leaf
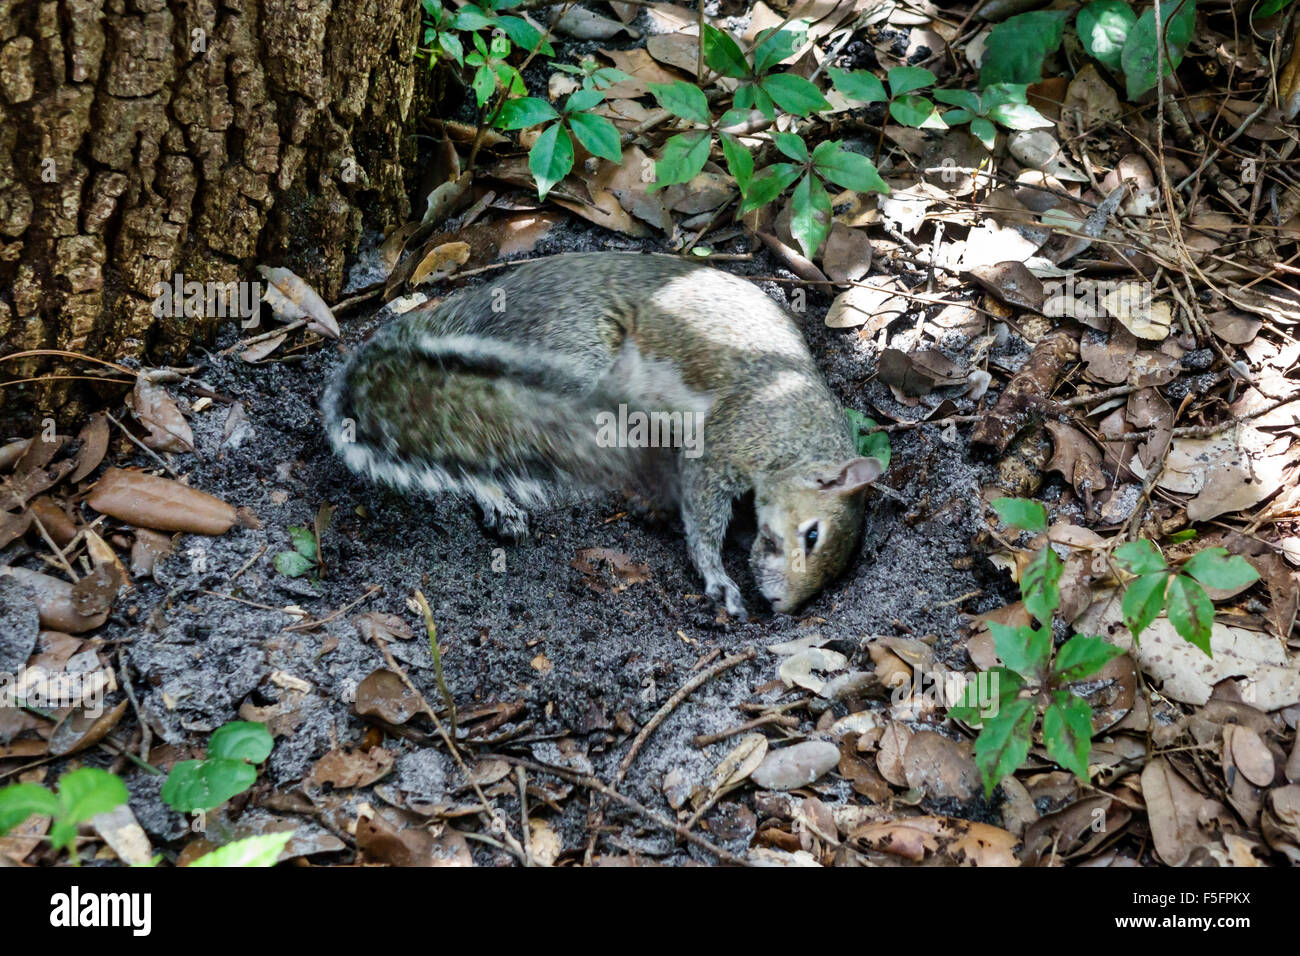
162,504
290,298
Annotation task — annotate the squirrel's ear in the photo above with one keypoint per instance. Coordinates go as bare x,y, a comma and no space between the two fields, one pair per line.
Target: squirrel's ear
853,476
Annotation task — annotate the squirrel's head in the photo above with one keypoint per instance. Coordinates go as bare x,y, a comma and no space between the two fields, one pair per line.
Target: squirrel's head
809,520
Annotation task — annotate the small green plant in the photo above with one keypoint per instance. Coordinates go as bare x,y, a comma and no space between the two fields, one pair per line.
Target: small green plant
443,29
1002,103
760,87
810,207
594,76
306,553
906,105
82,795
869,442
1109,31
1156,587
296,563
1034,679
229,768
551,157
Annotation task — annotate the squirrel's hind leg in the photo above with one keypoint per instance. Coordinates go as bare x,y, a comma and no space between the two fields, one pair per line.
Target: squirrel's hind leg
501,515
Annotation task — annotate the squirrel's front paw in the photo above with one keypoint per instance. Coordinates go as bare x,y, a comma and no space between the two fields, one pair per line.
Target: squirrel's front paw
505,518
724,589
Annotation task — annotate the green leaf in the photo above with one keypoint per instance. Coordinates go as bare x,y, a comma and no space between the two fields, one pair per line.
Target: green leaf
984,131
607,76
525,35
204,784
768,184
1067,732
292,564
1139,56
973,710
1021,513
303,541
793,93
1081,657
858,85
791,145
905,79
997,94
470,18
255,851
1025,650
1267,8
1004,742
1016,47
597,135
582,100
241,740
966,99
1143,601
867,443
451,45
1187,534
957,117
774,47
1190,611
1215,568
20,800
551,158
484,83
848,169
683,99
684,156
810,215
1103,27
740,161
723,55
1040,585
1139,557
88,792
916,111
750,97
1019,116
524,112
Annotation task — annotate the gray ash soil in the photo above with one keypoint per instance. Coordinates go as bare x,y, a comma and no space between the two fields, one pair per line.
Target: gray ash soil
534,632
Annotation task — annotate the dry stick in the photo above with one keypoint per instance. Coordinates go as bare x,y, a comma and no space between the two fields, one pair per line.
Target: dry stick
522,777
599,786
58,552
905,426
317,622
672,702
146,732
669,706
783,720
262,337
495,820
249,563
143,447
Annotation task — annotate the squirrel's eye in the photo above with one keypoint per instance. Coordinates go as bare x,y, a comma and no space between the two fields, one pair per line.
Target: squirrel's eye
810,538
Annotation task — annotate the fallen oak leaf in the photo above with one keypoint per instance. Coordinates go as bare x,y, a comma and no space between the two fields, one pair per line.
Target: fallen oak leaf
164,505
291,298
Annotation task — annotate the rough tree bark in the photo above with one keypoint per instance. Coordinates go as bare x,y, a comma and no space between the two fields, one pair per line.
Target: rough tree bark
141,138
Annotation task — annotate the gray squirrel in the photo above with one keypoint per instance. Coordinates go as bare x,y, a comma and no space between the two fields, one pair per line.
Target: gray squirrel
548,375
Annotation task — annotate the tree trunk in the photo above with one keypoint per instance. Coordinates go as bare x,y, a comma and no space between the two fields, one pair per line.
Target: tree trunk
144,138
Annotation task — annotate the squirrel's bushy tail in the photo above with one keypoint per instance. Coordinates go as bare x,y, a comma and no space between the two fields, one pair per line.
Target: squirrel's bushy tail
461,413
